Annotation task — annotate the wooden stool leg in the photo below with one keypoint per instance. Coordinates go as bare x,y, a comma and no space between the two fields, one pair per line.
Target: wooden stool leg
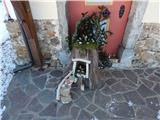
81,84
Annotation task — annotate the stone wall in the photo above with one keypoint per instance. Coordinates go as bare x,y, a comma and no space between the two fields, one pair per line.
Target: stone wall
48,37
49,40
18,43
147,48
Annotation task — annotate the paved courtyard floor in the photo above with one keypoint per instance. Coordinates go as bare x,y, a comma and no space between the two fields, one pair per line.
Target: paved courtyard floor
123,95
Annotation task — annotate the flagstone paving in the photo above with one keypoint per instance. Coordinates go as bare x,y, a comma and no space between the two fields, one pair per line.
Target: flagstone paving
124,95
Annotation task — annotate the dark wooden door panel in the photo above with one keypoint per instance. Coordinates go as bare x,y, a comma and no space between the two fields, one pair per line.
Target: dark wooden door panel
25,19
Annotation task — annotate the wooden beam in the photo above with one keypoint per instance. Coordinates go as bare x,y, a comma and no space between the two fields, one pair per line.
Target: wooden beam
24,16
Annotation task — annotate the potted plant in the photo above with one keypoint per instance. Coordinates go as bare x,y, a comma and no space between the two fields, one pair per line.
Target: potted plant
89,38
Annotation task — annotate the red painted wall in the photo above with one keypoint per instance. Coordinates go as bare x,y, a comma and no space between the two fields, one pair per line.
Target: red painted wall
117,25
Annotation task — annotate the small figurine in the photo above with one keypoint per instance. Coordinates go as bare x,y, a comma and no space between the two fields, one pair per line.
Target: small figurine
65,94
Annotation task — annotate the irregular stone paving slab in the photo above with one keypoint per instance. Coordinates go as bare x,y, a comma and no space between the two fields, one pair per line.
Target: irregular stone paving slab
89,96
154,78
134,97
157,88
31,90
118,98
35,73
128,88
65,118
24,111
131,75
158,70
122,109
144,113
53,80
107,91
118,87
153,103
141,76
46,96
35,105
51,85
18,99
147,82
75,111
23,77
101,115
107,75
91,108
50,110
122,118
25,117
145,92
157,74
145,74
82,102
111,81
39,119
101,100
149,70
128,83
118,74
57,73
139,71
40,81
84,115
64,110
90,104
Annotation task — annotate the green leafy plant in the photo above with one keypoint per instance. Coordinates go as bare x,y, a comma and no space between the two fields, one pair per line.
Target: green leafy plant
89,33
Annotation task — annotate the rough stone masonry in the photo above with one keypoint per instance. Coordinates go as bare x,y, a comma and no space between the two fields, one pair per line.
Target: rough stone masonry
47,32
147,48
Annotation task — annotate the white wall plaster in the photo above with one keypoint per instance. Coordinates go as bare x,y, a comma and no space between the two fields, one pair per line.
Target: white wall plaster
7,56
10,9
152,14
43,9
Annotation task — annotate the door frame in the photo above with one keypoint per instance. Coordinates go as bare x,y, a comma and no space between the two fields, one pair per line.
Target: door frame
25,20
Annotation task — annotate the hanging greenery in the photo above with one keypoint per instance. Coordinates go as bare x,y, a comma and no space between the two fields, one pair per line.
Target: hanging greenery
89,32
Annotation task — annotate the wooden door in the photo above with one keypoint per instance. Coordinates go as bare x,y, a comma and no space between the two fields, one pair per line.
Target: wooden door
117,24
24,16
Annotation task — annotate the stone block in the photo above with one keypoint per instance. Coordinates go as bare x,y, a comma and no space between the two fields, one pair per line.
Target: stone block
50,110
46,96
134,97
145,92
122,109
40,81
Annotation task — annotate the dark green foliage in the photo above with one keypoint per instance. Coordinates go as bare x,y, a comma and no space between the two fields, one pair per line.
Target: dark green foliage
104,60
89,33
